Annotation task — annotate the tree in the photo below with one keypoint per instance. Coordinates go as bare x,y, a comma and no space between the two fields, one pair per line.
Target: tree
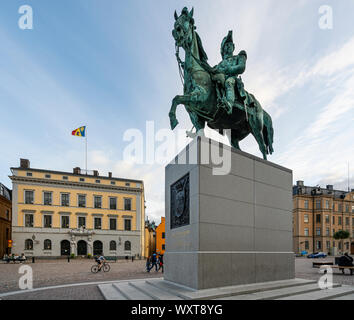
341,235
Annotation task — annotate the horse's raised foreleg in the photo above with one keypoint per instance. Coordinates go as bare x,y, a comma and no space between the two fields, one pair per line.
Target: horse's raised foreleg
185,100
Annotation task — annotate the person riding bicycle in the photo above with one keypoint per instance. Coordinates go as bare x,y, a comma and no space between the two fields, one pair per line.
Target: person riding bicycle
100,260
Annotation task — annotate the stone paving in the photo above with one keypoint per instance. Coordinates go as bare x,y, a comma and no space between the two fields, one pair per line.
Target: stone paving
304,270
60,272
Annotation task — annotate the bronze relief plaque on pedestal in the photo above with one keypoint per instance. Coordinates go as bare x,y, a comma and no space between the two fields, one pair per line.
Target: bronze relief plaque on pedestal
180,203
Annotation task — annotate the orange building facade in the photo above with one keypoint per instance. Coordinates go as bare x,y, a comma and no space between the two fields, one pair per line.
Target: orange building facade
318,213
160,237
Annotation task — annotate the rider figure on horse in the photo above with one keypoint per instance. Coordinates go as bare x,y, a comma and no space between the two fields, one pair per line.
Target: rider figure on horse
226,74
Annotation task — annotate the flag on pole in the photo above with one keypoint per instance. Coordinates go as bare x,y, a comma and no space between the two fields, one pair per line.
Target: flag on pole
80,132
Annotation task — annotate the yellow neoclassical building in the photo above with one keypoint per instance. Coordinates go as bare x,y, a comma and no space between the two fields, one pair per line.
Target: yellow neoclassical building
61,213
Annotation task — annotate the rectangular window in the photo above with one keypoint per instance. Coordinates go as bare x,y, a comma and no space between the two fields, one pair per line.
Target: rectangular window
127,184
347,246
328,245
307,245
327,218
98,223
29,174
334,231
318,231
47,221
163,247
47,176
112,224
327,232
113,182
318,245
65,199
82,222
82,179
8,214
65,220
327,204
318,218
340,221
127,225
347,208
306,204
29,197
163,235
347,221
98,181
334,220
113,203
352,209
306,218
340,245
47,198
340,208
82,200
29,220
98,202
318,204
306,232
127,204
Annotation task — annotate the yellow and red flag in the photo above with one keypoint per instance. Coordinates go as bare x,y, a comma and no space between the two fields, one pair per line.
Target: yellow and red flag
80,132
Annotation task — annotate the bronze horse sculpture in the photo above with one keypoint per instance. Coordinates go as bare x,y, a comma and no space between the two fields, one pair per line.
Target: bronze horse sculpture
202,94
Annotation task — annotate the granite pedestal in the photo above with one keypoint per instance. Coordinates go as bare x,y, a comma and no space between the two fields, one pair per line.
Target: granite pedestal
227,226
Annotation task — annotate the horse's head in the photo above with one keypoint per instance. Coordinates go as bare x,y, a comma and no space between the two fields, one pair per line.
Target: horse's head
183,29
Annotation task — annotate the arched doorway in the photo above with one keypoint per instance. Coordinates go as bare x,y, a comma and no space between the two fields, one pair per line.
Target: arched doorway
97,248
65,248
82,248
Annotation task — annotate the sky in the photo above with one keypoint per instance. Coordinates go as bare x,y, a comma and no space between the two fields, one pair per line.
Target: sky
110,65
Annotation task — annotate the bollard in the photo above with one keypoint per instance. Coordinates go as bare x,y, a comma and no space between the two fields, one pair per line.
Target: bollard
68,258
33,260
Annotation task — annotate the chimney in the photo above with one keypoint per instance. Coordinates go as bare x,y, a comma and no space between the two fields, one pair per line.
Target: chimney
77,170
300,183
110,174
95,173
329,187
24,163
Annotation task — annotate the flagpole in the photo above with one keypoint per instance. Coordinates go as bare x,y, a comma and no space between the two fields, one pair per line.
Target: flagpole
86,150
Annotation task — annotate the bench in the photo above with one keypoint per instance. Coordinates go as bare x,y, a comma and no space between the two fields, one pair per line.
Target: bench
323,263
111,258
342,268
14,260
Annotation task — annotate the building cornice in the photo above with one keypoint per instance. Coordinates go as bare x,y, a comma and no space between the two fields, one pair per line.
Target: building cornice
63,183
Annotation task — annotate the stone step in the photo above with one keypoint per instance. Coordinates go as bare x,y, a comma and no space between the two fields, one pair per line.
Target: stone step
225,292
277,293
131,292
154,292
346,297
326,294
109,292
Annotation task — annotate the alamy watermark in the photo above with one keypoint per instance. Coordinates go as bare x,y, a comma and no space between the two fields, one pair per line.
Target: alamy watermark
25,22
26,281
326,281
326,20
161,147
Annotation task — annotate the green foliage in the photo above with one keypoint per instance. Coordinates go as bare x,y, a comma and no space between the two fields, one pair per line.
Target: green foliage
72,256
341,234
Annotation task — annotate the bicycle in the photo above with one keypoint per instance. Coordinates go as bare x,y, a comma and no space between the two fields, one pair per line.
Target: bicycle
106,267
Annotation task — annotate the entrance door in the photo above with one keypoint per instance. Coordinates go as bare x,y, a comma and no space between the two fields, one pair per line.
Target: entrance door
65,248
97,248
82,248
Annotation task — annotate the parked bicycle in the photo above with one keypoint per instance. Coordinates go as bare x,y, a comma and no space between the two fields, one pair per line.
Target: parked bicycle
105,267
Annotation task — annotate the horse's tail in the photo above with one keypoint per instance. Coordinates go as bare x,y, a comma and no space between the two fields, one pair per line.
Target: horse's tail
268,131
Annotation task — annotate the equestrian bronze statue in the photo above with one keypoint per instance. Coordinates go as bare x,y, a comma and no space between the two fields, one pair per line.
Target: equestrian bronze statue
215,95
